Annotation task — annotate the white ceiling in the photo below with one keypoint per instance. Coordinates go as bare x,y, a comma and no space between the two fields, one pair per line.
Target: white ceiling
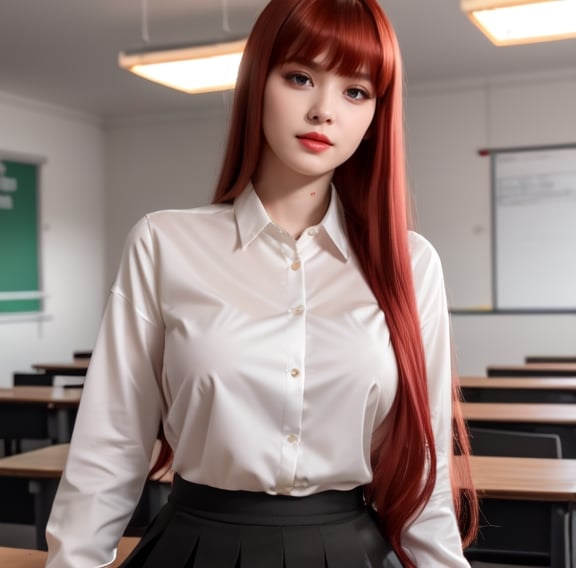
65,51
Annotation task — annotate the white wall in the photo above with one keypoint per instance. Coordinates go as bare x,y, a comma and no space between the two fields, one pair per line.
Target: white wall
447,124
159,163
72,231
91,198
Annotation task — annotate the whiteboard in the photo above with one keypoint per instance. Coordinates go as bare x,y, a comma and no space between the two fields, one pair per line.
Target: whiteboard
534,228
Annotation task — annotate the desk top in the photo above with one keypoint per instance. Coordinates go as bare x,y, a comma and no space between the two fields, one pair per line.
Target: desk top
44,462
54,396
496,477
536,479
48,462
24,558
77,367
539,413
539,383
552,365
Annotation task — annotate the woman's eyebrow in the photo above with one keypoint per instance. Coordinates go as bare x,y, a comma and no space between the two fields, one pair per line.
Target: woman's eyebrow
315,66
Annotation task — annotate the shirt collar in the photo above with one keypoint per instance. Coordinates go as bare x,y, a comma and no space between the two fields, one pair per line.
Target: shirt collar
252,218
333,223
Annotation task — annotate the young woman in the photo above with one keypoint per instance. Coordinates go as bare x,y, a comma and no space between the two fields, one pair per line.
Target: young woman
292,339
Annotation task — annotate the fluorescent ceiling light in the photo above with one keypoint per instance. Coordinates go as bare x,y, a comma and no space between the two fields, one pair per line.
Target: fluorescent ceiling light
509,22
188,68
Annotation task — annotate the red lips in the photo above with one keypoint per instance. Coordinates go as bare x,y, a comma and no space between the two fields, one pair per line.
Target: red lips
315,142
316,136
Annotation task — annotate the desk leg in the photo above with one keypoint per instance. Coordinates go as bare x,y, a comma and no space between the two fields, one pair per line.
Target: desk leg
560,548
60,425
572,514
53,427
44,491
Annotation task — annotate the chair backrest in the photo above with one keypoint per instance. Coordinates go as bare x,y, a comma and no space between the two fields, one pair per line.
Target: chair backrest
514,443
82,354
504,538
32,379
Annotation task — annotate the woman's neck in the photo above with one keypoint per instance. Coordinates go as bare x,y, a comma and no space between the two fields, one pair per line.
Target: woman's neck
297,209
294,203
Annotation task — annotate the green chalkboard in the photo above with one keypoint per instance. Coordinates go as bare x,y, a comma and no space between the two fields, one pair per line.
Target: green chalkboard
20,279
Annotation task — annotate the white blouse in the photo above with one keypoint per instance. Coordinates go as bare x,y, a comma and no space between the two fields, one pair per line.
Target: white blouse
268,361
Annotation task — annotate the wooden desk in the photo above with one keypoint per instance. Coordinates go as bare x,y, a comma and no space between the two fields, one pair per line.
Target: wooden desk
532,503
548,485
536,413
36,412
23,558
56,397
43,469
521,389
533,370
43,463
537,479
76,368
529,417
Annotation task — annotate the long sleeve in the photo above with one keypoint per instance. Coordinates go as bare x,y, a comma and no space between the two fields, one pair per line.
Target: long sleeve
433,538
118,419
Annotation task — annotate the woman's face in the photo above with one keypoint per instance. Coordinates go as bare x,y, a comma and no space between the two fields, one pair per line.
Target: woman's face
313,118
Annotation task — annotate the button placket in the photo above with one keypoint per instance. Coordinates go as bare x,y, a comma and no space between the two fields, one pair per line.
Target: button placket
294,365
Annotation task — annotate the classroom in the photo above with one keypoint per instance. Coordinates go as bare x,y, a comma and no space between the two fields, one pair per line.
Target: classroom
102,175
101,171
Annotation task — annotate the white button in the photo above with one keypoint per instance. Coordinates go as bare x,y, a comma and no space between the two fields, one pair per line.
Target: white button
295,265
294,372
292,438
298,310
312,232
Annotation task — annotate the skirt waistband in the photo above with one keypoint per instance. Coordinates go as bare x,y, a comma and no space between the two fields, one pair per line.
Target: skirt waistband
261,508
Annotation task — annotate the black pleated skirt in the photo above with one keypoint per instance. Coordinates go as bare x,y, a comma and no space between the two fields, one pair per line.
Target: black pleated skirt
204,527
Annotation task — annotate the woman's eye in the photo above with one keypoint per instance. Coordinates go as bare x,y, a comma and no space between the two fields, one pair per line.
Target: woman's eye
298,79
357,94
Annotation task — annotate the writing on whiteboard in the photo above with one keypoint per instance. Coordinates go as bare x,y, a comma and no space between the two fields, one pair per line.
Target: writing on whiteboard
530,190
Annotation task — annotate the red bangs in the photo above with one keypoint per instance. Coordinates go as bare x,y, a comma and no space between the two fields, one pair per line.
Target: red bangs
344,32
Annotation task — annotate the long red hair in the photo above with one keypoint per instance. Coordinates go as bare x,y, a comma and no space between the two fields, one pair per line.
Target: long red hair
356,34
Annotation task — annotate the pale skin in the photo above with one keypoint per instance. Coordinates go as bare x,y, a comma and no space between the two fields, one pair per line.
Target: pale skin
304,101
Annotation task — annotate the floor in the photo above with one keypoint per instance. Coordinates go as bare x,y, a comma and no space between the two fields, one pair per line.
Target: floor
17,536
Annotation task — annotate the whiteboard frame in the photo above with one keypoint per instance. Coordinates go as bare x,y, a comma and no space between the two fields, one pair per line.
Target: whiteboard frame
497,308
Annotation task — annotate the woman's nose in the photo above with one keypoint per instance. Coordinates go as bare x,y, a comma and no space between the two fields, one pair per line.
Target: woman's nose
320,114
